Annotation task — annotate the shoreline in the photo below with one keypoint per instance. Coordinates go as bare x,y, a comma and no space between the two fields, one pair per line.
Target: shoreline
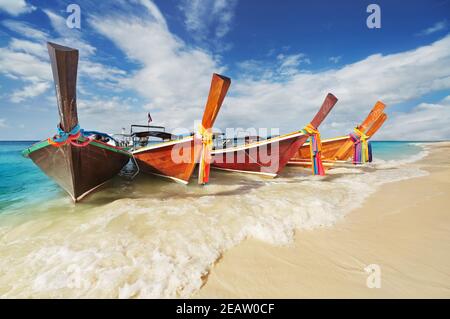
406,235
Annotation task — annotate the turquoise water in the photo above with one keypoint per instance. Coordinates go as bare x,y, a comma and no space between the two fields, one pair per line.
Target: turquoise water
23,184
152,238
393,150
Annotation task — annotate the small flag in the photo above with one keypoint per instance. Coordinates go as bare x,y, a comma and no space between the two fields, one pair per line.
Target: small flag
149,118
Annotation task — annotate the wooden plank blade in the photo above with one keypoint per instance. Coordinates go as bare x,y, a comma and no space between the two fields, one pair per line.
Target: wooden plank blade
219,88
374,114
64,61
376,126
329,102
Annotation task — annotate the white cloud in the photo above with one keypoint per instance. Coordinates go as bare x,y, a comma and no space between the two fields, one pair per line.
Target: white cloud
438,26
175,77
29,91
289,63
208,18
3,123
423,123
394,78
16,7
109,114
335,59
281,68
25,30
30,47
98,71
69,37
23,60
24,66
27,60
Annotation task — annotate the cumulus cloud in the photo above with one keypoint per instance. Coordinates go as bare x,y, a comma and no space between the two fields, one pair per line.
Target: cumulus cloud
208,18
393,78
16,7
26,60
175,77
32,90
30,47
278,69
121,112
335,59
69,37
106,76
425,122
26,67
438,26
25,30
3,123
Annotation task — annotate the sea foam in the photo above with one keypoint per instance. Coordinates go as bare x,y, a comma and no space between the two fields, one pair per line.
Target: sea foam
160,242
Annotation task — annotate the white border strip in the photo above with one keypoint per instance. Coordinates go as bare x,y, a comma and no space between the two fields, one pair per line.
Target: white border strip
327,140
245,172
178,180
159,145
90,191
256,144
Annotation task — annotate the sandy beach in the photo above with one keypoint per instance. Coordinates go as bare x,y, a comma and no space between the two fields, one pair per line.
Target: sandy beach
404,228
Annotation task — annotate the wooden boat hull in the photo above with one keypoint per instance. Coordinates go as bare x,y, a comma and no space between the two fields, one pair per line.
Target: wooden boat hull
175,160
266,158
338,149
269,157
78,170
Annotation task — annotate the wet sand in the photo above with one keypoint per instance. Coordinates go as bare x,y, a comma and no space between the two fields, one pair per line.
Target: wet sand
404,228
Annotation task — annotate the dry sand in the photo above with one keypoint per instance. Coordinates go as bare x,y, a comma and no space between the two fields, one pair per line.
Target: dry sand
404,228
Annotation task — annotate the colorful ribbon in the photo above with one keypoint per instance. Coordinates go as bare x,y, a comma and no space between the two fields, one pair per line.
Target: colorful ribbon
362,149
205,159
64,138
315,146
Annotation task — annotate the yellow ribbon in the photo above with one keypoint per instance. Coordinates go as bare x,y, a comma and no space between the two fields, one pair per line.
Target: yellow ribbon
311,130
207,141
207,136
363,140
315,147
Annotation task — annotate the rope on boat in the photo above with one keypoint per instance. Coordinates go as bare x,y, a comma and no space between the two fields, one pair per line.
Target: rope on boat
205,159
88,133
362,148
315,146
137,167
64,138
72,137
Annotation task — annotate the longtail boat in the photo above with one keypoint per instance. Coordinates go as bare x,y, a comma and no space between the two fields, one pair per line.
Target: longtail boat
268,157
176,158
77,160
353,146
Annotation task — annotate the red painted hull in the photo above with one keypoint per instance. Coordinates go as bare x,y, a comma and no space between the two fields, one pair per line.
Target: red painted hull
266,157
174,160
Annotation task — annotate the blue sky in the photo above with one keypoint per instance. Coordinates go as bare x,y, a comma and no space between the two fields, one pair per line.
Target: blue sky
140,56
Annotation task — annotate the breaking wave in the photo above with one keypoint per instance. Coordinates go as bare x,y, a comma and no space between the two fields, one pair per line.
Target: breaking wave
153,239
